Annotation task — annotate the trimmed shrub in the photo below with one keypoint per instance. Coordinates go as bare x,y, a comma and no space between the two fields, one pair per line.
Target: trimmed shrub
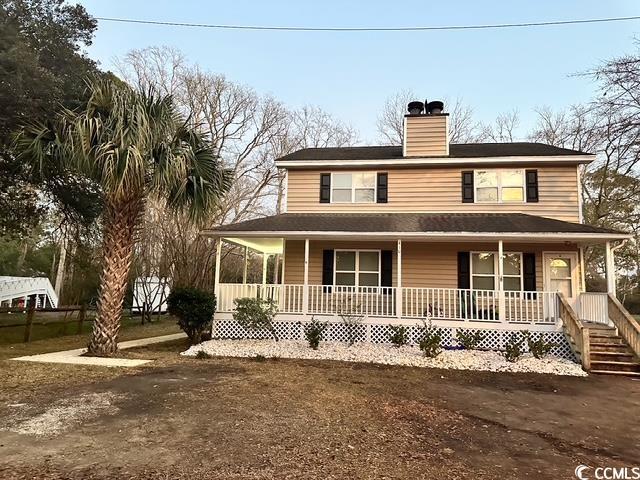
399,335
194,310
256,314
469,340
513,349
539,348
430,341
351,318
313,332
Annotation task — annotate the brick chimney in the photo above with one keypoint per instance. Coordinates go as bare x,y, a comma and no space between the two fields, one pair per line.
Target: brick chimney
426,130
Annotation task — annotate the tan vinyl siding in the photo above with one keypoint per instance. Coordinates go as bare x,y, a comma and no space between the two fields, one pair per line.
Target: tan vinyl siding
425,265
426,135
439,190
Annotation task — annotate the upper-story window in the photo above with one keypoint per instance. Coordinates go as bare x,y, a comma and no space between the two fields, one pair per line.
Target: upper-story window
499,186
353,187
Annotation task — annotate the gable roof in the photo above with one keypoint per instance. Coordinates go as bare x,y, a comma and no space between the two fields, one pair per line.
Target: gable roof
456,150
412,223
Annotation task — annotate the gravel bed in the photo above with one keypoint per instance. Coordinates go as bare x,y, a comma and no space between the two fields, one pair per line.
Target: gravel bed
387,355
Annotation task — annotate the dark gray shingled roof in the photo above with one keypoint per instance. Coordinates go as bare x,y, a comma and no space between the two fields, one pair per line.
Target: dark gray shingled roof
456,150
411,223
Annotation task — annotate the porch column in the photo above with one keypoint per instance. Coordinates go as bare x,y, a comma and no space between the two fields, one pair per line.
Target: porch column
216,288
583,286
265,259
399,280
610,268
276,269
305,286
246,260
501,300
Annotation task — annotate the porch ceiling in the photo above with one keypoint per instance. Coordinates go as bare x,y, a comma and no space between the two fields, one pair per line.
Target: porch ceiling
269,245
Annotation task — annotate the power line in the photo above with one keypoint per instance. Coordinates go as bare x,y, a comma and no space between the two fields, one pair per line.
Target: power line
368,29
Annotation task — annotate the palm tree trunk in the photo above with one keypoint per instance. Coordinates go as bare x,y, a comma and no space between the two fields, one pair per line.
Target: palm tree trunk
120,221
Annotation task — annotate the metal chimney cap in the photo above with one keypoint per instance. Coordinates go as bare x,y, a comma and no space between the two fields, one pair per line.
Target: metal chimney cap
415,108
435,107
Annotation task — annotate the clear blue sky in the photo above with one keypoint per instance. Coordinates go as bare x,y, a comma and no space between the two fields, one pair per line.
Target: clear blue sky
350,74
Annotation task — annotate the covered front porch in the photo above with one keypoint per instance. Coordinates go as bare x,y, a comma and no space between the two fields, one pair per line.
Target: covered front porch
503,283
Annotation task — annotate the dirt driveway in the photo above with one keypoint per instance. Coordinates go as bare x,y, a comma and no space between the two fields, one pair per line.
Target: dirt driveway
245,419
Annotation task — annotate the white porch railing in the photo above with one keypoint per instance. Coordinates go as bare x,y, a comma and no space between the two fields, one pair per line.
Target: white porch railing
593,307
419,303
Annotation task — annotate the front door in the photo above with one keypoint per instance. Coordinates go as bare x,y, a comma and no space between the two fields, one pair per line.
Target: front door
561,274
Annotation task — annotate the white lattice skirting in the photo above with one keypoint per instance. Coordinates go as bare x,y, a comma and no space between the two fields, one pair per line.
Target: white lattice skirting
376,333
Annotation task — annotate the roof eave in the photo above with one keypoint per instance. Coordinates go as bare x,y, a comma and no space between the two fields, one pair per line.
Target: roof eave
424,161
562,236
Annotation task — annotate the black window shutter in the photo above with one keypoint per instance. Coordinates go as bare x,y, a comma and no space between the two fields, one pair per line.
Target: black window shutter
529,271
464,272
325,187
467,186
327,269
383,179
386,266
532,185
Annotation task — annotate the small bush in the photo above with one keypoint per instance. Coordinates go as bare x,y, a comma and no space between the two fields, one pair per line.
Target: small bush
260,358
431,341
202,355
399,335
469,340
513,349
351,318
313,332
256,314
194,309
540,348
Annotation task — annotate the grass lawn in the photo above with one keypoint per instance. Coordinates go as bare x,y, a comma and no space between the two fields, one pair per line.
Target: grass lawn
52,324
226,418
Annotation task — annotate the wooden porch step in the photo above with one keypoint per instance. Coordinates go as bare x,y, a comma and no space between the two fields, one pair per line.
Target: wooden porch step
612,372
609,347
623,356
606,339
610,365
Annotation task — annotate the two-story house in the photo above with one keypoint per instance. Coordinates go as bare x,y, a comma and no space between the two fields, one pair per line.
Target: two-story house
474,236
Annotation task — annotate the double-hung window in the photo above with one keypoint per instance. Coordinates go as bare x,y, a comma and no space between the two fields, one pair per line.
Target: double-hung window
353,187
499,186
357,268
484,271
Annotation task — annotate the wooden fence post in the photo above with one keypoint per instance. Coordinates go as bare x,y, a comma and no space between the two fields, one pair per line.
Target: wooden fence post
29,324
81,315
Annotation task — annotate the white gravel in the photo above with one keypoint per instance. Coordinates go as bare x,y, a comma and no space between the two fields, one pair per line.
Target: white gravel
387,355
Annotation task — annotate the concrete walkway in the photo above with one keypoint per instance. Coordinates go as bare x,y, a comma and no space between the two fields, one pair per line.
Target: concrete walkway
75,356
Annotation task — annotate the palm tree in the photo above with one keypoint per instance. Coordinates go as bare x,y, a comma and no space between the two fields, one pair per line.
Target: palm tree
133,145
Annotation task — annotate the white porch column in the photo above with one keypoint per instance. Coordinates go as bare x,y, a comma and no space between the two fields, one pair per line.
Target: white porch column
265,259
217,272
246,260
583,285
610,268
399,280
305,286
501,300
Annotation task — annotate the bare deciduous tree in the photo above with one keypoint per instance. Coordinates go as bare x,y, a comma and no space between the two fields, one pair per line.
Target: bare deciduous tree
390,123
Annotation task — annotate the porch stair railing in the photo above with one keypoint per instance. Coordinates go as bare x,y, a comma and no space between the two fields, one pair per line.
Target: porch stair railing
605,337
627,326
577,332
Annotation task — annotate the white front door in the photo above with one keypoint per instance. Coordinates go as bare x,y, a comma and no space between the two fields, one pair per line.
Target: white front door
561,274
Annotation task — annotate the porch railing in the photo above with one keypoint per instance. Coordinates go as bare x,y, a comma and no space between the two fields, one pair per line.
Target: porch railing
418,303
592,307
